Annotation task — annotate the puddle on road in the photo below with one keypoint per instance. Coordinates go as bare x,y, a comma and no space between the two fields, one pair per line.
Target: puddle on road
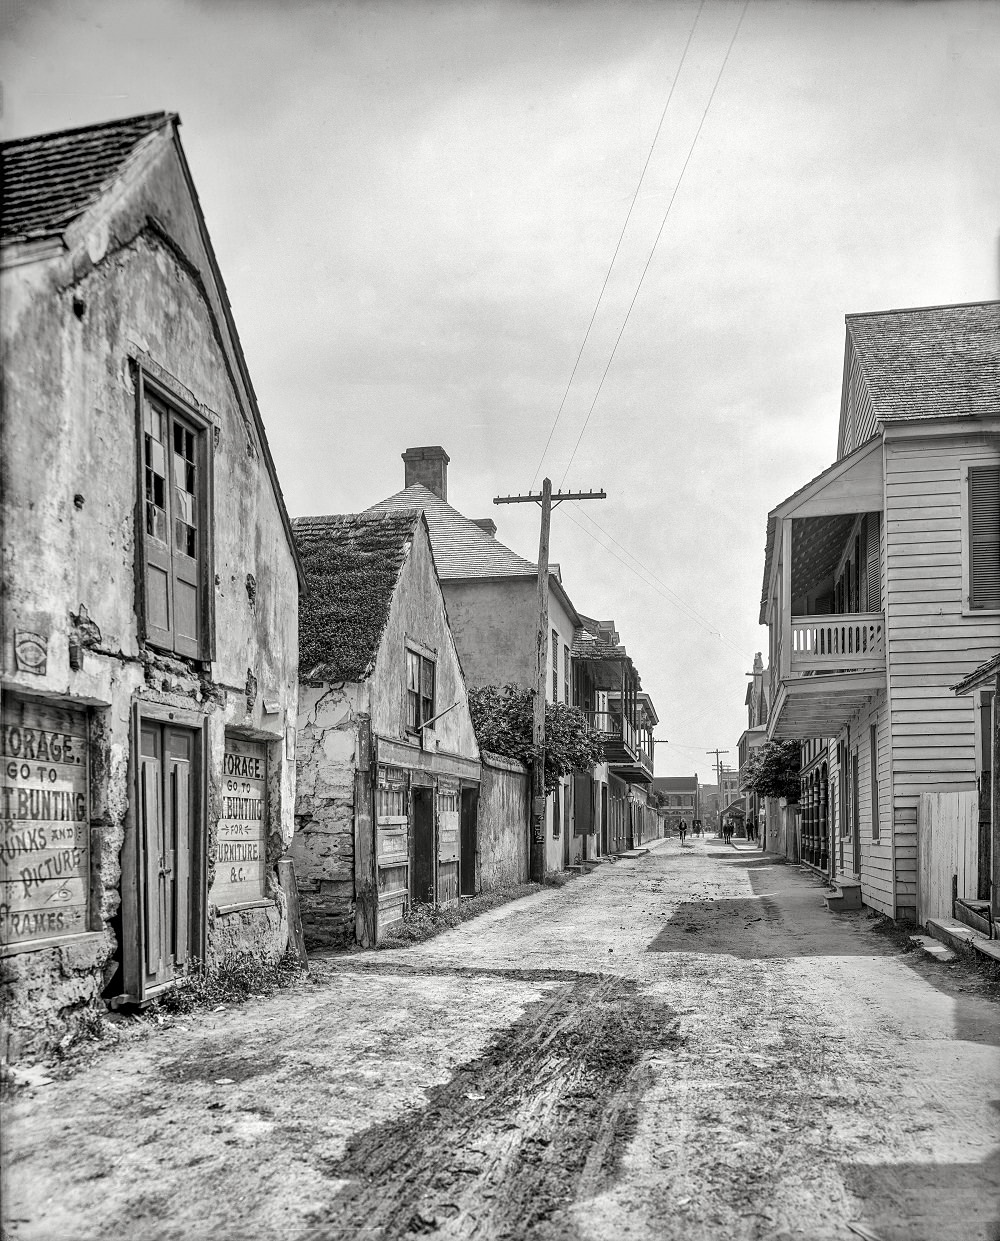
518,1134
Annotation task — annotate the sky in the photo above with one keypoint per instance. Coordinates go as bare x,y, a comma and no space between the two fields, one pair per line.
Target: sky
415,205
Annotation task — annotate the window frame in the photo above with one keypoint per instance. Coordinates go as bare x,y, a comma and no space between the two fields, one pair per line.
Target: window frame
972,463
147,385
424,660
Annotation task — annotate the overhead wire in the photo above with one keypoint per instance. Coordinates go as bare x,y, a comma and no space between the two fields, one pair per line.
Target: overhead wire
621,235
642,277
692,610
657,586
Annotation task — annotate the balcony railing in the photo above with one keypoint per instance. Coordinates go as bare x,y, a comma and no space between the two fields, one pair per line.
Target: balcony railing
614,727
854,641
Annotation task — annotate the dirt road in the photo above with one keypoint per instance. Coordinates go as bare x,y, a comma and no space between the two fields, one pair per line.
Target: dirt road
685,1045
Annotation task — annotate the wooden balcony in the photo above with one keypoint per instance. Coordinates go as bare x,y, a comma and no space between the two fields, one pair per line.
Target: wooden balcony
623,748
829,669
853,641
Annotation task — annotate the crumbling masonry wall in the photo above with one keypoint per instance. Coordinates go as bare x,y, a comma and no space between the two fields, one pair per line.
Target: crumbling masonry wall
323,844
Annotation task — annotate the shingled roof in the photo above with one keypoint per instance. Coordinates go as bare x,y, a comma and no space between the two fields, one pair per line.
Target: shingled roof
931,361
51,179
462,549
351,563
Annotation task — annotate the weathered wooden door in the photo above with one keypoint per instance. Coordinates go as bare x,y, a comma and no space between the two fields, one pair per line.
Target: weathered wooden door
470,839
166,830
449,842
422,810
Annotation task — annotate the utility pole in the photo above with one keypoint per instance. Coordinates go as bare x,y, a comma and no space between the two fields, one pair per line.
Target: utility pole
718,777
548,501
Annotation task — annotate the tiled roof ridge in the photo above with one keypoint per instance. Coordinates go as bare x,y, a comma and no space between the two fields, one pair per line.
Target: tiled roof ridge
120,123
910,310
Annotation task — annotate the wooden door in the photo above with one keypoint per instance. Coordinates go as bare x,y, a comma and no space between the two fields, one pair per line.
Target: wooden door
166,829
422,811
470,839
449,842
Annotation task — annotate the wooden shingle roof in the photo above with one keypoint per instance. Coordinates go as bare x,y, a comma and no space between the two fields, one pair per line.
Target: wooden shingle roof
931,362
50,179
351,564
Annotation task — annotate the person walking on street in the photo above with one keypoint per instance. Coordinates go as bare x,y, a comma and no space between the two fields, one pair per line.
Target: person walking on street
682,828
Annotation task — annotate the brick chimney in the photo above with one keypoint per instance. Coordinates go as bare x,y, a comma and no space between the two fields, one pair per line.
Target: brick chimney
428,466
487,524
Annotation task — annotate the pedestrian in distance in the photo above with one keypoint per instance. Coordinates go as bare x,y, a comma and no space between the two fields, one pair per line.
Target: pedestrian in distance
682,829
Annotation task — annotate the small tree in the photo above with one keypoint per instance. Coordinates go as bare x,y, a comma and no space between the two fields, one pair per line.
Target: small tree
772,770
503,717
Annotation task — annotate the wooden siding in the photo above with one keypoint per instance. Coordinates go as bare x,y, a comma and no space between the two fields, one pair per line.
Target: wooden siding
504,824
931,644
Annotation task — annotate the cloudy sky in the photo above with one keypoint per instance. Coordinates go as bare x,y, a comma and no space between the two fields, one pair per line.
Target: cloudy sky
415,205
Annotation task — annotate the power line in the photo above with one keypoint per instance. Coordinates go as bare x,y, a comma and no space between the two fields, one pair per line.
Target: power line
649,260
621,235
677,600
692,611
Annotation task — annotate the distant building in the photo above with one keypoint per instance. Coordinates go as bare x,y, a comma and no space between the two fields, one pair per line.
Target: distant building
679,797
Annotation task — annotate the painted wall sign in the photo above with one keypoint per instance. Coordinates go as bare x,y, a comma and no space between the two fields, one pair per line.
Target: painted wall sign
31,651
242,830
44,821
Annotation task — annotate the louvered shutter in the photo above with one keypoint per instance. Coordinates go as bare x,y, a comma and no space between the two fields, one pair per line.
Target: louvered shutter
154,524
984,537
872,526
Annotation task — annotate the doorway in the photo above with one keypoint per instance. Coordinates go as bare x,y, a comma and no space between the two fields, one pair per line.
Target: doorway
470,822
604,820
422,809
167,855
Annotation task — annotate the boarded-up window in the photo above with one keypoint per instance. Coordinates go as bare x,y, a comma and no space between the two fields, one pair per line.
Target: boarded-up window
174,529
45,849
984,537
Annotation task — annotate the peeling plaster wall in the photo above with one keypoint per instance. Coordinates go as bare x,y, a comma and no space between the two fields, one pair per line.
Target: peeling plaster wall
323,844
134,286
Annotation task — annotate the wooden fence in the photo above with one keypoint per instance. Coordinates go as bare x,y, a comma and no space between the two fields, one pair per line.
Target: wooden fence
947,846
504,823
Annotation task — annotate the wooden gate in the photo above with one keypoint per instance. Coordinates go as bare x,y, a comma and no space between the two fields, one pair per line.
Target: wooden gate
166,823
947,847
392,846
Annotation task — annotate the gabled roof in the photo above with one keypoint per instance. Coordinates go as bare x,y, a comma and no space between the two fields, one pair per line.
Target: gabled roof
352,564
930,361
50,179
462,549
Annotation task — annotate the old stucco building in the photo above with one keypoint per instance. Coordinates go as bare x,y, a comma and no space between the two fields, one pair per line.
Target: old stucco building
149,622
389,768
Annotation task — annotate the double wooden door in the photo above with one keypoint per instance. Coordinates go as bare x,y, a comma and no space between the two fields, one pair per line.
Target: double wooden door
167,832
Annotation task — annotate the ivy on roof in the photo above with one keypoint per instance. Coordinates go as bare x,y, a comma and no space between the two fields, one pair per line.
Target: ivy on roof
351,564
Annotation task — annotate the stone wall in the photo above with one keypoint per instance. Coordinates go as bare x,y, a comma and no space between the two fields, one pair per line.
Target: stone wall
504,823
323,845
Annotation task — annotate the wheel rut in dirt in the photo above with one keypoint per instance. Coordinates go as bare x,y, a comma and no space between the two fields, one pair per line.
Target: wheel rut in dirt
538,1120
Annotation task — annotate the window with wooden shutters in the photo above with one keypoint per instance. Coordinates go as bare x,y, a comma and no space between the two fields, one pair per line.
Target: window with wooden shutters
555,666
984,537
566,674
872,529
419,690
174,452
